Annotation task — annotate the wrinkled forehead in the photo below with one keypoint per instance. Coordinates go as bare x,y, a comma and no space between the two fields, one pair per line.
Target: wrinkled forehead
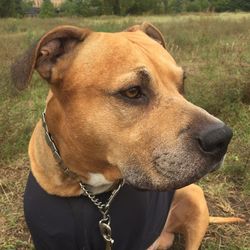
112,54
160,60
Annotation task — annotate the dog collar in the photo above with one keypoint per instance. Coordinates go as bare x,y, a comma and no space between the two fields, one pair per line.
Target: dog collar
104,223
51,143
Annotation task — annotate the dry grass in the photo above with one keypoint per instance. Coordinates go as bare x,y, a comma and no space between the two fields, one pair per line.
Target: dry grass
214,50
14,233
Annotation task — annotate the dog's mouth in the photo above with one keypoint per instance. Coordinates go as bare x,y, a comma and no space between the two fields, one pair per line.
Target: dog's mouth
169,176
173,167
216,166
165,164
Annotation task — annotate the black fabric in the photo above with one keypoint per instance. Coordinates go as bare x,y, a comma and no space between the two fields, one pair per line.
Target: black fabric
57,223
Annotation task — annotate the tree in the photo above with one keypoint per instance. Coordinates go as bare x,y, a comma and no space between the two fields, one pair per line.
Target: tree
47,9
107,8
7,8
95,8
18,7
68,8
165,3
160,7
196,5
239,5
10,8
82,7
125,5
141,6
176,6
116,7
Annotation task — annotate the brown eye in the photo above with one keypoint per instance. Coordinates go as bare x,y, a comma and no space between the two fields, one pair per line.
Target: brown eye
132,93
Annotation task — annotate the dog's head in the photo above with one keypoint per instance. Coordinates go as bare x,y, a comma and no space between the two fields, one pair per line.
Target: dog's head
117,107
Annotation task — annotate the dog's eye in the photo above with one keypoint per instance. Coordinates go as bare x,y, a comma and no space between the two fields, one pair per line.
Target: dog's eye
132,93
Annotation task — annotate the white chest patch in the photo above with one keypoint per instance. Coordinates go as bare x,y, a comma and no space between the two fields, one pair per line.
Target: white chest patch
97,180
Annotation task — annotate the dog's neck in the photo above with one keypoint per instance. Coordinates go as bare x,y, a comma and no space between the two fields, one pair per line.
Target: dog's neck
62,180
96,182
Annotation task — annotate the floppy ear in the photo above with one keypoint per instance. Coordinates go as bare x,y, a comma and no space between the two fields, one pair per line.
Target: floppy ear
43,55
150,30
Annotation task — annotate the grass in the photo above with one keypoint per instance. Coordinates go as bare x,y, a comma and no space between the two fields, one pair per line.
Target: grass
215,51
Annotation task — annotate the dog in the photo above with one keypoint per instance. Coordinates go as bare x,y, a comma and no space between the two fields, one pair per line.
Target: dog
116,111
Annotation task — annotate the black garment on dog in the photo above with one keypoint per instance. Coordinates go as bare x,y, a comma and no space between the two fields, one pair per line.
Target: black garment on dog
59,223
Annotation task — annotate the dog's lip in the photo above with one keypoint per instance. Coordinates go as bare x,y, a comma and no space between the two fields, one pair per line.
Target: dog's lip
216,166
176,185
127,182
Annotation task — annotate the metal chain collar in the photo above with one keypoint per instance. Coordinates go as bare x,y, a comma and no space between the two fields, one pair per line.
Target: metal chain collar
51,143
104,223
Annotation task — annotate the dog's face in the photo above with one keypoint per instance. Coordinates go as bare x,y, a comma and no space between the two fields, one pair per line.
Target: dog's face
118,109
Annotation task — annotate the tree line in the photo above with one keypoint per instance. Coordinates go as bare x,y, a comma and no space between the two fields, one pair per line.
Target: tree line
18,8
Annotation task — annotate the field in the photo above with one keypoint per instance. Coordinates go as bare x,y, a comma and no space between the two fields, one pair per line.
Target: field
215,52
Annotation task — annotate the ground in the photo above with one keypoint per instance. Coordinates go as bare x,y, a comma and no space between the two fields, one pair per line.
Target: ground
215,52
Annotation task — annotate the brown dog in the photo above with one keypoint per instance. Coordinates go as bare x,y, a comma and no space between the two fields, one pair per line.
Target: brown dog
116,111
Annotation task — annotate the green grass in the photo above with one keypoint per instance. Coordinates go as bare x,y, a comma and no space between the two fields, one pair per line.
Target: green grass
215,51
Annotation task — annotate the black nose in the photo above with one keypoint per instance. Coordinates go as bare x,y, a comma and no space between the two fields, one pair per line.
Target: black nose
215,139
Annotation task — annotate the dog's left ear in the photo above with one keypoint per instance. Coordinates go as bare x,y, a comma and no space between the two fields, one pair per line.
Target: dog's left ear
45,54
150,30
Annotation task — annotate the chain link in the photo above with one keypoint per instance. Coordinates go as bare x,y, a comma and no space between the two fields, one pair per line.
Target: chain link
104,223
51,143
103,207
